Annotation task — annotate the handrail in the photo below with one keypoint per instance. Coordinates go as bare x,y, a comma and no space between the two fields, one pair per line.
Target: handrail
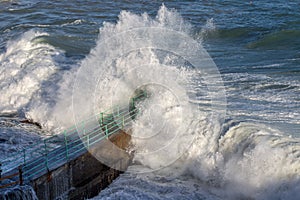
69,143
8,177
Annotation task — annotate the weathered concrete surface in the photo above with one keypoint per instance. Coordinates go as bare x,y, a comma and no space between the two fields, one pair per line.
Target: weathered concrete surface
85,176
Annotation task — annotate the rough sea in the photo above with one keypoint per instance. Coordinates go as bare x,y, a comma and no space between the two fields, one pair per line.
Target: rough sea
223,117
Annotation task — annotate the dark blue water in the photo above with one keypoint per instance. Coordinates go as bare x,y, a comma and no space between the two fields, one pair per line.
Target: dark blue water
255,45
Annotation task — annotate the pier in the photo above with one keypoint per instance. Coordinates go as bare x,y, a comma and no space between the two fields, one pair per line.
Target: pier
77,163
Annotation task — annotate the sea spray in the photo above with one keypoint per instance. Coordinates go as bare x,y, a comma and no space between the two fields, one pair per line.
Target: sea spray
160,57
24,66
245,160
260,162
28,77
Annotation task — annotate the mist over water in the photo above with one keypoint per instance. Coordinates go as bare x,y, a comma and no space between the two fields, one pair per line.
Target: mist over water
253,154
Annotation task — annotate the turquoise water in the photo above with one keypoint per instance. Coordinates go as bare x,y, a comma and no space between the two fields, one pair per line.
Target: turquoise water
254,44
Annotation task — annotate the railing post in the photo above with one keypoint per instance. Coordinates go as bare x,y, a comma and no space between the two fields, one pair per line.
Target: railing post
66,145
88,140
46,154
83,127
123,121
101,119
117,119
20,175
0,170
132,103
106,131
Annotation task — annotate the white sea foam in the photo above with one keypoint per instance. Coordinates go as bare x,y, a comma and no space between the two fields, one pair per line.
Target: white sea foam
24,67
247,161
151,54
30,79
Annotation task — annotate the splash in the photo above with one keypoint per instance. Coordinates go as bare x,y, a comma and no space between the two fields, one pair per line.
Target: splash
178,131
34,82
28,75
22,71
158,56
260,162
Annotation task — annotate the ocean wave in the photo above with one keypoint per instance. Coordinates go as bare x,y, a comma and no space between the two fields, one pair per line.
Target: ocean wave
233,160
260,162
29,76
188,146
277,40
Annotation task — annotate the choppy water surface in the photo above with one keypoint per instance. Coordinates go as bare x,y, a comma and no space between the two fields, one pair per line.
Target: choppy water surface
253,153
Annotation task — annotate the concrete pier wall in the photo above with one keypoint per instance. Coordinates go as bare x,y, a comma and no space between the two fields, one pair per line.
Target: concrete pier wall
85,176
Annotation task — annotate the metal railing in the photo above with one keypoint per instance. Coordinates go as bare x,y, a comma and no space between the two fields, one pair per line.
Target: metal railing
18,174
59,149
